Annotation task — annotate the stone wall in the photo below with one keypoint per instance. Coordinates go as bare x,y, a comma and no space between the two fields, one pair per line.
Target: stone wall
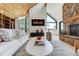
70,15
70,10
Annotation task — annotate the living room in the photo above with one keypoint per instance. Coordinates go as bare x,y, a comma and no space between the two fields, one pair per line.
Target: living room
39,29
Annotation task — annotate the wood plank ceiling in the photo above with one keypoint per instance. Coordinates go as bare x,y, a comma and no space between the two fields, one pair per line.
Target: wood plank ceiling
14,10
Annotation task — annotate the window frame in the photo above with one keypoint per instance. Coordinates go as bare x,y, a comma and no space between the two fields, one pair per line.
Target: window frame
60,26
52,22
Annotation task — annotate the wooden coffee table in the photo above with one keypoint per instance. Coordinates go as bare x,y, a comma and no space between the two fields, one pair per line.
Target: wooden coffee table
42,50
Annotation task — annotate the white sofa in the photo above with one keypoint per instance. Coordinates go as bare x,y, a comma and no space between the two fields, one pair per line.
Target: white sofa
8,48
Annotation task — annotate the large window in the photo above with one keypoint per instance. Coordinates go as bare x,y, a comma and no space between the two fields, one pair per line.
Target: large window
51,22
22,24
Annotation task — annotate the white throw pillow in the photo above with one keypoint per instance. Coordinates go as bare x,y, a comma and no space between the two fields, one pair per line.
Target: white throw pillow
5,36
22,33
19,33
9,31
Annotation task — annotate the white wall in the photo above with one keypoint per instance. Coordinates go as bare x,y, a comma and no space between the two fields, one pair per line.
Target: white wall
37,12
55,10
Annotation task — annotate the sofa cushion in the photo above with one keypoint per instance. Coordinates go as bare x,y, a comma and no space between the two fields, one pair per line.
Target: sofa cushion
3,47
9,31
5,35
8,45
18,33
8,34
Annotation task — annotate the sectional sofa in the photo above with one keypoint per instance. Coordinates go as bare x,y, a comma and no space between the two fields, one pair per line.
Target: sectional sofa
11,40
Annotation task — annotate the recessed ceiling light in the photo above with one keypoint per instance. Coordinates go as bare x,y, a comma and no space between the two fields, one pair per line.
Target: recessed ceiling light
1,11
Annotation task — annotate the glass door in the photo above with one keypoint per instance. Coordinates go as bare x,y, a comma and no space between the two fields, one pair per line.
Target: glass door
22,24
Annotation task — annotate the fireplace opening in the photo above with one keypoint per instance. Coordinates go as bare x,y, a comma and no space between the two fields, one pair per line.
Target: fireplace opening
74,30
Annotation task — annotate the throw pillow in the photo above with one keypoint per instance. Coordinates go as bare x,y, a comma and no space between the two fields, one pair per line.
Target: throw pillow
5,36
17,34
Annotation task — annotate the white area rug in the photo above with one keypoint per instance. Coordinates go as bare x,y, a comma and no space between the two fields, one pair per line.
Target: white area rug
60,49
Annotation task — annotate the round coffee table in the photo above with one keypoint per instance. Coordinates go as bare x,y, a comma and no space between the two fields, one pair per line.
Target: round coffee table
45,49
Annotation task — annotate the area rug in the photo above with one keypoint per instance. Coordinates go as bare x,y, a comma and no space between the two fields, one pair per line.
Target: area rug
60,49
